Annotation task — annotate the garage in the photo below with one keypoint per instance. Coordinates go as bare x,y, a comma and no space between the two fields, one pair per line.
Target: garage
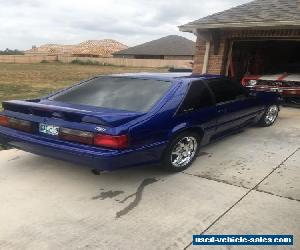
257,39
262,57
257,43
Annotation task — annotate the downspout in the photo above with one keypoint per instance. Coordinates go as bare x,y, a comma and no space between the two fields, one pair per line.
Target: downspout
206,56
229,55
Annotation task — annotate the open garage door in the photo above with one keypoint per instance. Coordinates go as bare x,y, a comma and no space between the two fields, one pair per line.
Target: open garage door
268,65
264,57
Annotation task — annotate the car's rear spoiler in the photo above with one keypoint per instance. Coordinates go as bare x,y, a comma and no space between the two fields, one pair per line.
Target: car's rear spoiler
33,107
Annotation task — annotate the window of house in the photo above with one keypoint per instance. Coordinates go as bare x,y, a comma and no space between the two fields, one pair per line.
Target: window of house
198,97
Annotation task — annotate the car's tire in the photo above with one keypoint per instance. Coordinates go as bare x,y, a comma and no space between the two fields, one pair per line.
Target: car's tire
270,115
181,151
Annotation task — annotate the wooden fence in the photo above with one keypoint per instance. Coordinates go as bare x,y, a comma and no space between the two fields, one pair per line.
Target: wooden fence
127,62
26,59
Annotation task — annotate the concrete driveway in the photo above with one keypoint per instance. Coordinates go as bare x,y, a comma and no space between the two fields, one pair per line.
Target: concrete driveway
248,183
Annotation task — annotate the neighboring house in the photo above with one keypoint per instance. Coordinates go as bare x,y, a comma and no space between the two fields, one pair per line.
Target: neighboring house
50,49
90,48
258,37
169,47
98,48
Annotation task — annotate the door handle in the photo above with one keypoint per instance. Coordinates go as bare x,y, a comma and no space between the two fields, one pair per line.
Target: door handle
221,110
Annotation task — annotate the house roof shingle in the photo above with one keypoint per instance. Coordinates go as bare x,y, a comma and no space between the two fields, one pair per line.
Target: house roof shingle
169,45
256,13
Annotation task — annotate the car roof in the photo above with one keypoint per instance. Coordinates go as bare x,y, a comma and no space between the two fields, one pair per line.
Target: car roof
168,76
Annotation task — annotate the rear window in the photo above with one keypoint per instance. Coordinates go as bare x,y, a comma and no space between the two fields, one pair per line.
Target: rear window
116,93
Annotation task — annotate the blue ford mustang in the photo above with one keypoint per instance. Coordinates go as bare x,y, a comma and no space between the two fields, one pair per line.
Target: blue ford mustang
116,121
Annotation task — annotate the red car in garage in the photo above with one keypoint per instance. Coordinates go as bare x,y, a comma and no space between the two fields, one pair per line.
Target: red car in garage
286,84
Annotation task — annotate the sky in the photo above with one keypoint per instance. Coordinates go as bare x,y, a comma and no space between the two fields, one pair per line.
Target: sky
36,22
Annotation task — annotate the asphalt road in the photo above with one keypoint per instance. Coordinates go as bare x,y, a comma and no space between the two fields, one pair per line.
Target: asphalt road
248,183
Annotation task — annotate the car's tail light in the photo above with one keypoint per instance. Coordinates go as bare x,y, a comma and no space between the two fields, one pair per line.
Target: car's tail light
110,141
76,135
4,121
20,124
15,123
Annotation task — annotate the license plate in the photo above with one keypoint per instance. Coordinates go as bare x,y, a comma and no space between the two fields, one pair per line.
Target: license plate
48,129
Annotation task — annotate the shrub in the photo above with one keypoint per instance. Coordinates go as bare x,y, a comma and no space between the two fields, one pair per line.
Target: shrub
11,52
87,62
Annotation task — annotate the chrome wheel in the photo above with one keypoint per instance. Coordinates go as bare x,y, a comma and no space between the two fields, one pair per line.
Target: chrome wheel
271,114
184,151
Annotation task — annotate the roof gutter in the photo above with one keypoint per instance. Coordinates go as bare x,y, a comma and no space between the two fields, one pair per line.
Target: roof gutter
194,27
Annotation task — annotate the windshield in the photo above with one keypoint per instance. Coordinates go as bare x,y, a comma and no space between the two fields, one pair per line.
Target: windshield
116,93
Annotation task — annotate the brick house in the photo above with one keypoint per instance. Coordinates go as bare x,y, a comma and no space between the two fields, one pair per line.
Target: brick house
257,37
170,47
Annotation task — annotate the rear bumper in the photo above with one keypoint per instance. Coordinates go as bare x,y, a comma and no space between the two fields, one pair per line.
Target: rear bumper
291,92
283,91
100,158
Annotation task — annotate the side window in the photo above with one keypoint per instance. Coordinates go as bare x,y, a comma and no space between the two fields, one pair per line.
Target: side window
198,97
225,90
